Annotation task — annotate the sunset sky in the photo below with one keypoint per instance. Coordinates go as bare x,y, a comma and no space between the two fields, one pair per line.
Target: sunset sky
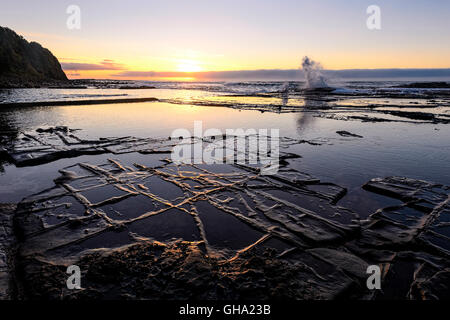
137,39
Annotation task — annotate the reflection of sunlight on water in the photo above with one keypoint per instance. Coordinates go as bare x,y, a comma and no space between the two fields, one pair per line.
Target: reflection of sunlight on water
419,151
285,99
316,104
184,95
253,100
380,101
305,121
159,119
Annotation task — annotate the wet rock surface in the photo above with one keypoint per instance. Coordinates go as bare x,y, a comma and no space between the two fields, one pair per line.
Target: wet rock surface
348,134
426,85
379,105
7,247
53,143
164,230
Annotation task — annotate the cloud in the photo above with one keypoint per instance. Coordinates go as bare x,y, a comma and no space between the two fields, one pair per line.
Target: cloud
210,75
290,74
140,74
103,65
389,73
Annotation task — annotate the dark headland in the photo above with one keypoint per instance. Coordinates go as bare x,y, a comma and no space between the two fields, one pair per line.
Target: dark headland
27,64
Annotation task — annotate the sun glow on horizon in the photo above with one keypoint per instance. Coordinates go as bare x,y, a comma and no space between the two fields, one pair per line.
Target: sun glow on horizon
189,66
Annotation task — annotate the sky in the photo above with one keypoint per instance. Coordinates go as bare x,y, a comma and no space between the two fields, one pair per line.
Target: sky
148,39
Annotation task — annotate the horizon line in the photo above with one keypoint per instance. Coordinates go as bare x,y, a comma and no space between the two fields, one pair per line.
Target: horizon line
271,74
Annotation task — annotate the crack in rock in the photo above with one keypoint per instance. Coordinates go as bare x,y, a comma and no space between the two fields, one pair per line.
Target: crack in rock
221,231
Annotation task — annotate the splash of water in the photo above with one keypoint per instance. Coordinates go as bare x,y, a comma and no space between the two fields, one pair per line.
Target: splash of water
313,74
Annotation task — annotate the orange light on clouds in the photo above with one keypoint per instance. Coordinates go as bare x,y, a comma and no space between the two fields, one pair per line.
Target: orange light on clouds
140,67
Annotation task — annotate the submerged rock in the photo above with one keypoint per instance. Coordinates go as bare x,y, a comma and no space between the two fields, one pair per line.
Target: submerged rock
348,134
53,143
165,230
137,87
132,256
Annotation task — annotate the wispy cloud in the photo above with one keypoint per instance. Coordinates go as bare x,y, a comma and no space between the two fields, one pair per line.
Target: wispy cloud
106,64
141,74
243,74
290,74
154,74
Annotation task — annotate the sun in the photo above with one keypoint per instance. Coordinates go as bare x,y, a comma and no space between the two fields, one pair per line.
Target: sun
189,66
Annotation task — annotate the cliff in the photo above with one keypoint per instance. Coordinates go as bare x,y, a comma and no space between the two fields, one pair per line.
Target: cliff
26,64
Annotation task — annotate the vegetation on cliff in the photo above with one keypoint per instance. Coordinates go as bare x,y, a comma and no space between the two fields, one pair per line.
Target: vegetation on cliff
26,64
